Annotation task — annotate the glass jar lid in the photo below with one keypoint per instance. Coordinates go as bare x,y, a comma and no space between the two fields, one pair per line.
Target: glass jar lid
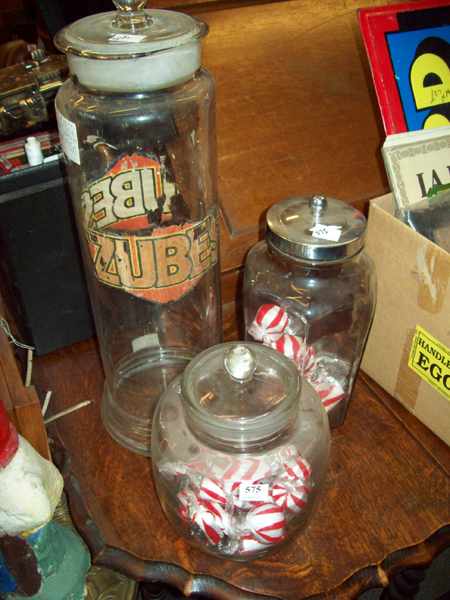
315,229
152,49
128,33
240,394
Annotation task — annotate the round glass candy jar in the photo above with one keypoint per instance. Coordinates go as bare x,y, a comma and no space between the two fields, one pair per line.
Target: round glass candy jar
136,120
240,449
309,293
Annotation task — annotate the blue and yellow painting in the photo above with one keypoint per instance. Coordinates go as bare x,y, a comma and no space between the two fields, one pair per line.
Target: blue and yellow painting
421,64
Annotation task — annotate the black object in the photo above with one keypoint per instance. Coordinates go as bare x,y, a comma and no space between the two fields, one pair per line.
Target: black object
41,272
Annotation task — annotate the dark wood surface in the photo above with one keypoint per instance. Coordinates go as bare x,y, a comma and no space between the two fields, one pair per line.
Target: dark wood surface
386,504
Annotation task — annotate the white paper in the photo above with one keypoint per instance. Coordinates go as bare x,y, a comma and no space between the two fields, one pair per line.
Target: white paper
147,340
68,137
327,232
126,37
254,492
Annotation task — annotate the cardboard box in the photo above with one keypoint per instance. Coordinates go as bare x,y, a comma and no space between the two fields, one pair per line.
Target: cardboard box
407,351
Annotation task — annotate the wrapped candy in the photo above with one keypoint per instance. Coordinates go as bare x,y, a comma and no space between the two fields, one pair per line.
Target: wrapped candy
295,348
247,470
212,519
249,544
213,490
290,497
330,392
297,469
186,499
289,345
269,323
267,523
307,361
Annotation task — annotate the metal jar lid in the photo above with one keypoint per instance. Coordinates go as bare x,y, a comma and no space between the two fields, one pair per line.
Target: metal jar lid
151,49
315,229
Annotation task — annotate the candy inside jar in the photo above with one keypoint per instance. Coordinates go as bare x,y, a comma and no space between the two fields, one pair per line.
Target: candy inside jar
240,449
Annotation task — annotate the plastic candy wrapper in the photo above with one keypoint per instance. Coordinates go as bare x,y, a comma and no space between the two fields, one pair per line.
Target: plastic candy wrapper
242,505
271,327
431,218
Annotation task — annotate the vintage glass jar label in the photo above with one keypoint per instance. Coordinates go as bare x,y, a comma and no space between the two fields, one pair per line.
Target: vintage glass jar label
430,359
68,137
131,246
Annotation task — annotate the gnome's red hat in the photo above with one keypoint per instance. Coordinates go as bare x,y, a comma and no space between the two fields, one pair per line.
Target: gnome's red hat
9,440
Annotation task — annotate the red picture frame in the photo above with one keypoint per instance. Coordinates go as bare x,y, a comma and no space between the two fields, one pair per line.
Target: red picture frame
374,24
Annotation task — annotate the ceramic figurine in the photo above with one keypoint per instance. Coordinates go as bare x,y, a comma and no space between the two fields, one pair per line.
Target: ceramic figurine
39,559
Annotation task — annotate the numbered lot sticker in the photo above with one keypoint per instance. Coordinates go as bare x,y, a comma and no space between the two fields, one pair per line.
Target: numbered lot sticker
331,233
254,492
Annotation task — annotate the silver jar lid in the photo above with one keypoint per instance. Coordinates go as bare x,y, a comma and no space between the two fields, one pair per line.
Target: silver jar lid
315,229
165,43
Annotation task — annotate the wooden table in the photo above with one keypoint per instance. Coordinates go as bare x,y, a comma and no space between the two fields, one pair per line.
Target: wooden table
385,508
296,114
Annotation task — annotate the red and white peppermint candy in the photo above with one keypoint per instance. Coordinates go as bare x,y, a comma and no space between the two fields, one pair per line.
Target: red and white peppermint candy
212,489
289,345
249,544
187,503
330,392
290,497
267,523
295,348
241,470
296,469
212,520
198,466
269,323
173,469
307,361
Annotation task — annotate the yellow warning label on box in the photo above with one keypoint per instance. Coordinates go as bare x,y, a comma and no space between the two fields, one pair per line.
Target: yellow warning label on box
431,361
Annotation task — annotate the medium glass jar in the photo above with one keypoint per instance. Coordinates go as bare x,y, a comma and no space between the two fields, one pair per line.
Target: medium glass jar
309,292
240,447
136,120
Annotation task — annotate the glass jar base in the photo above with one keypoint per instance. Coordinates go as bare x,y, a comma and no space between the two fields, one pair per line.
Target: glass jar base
139,380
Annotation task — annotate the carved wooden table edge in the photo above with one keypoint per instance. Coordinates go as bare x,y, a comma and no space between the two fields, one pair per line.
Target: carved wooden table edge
128,564
383,574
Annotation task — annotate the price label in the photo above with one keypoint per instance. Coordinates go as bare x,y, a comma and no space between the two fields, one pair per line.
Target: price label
126,37
327,232
254,492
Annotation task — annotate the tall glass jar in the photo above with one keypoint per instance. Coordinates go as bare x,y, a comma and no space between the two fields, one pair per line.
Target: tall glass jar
309,292
240,449
136,121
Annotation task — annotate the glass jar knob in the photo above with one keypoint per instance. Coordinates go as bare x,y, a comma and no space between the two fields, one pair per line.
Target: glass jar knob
240,363
131,14
318,203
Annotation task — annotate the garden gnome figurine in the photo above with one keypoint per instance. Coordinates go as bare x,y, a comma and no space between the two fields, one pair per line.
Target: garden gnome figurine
39,559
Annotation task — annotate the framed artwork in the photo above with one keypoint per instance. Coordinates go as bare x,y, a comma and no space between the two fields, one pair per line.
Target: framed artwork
408,47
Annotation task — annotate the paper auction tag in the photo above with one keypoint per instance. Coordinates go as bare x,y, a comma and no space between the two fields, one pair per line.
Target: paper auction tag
254,492
327,232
